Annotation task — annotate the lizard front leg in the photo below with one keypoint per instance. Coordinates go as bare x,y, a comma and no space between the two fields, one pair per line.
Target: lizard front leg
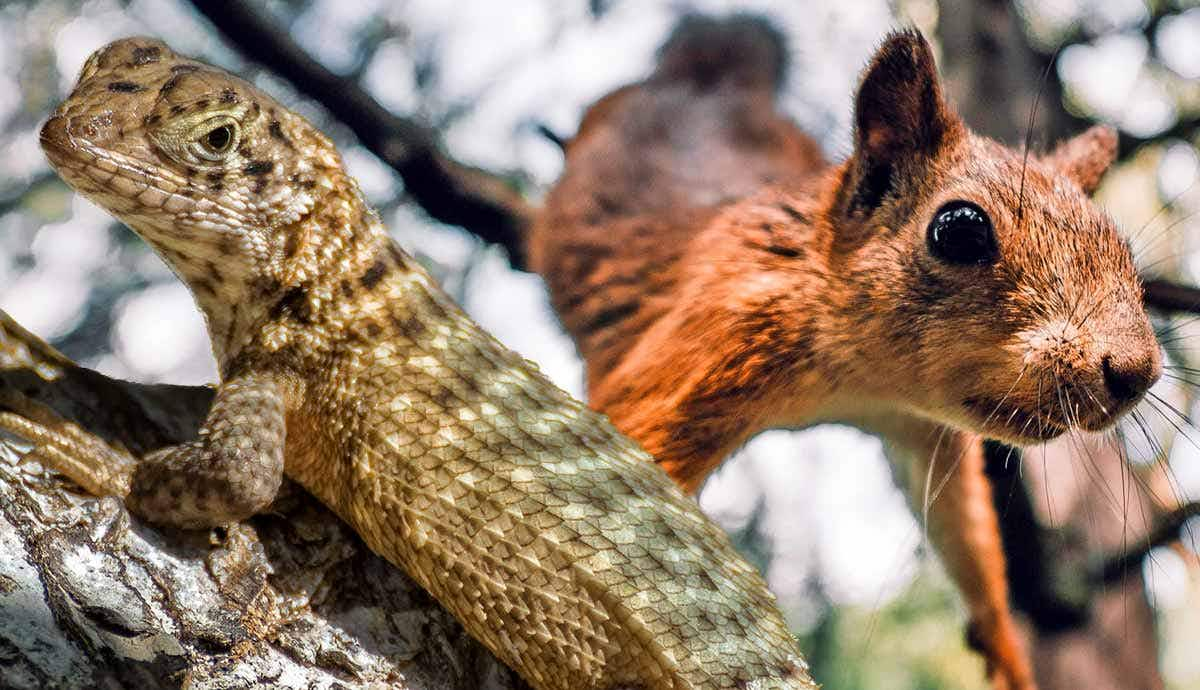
231,471
943,469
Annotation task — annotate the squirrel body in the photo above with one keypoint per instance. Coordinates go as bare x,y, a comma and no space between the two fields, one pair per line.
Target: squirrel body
936,288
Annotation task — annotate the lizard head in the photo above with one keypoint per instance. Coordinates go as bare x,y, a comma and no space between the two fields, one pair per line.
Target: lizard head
211,171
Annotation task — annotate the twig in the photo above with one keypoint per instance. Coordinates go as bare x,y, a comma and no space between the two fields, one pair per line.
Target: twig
1115,568
1170,296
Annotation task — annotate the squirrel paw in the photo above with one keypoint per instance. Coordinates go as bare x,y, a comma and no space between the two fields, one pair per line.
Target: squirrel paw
1007,664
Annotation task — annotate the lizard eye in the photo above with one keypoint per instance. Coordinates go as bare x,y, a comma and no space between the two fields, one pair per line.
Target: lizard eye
215,143
961,233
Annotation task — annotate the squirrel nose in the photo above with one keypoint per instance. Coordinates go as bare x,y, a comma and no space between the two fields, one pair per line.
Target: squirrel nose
1128,377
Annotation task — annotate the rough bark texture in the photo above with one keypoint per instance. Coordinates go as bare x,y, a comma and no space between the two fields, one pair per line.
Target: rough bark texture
93,598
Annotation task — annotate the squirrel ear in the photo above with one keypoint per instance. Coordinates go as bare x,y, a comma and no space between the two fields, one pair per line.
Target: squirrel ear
899,113
1086,157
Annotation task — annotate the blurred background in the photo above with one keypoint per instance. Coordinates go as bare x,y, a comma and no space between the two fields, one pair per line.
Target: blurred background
475,91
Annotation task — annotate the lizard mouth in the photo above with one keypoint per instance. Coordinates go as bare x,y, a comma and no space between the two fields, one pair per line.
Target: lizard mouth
128,190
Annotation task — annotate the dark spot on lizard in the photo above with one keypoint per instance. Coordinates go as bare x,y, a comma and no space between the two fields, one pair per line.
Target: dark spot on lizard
216,186
228,96
293,305
168,85
255,108
276,131
183,69
258,168
214,273
259,185
291,245
201,104
145,56
374,274
410,326
204,285
442,397
125,87
226,245
216,175
265,287
298,181
177,109
374,329
151,119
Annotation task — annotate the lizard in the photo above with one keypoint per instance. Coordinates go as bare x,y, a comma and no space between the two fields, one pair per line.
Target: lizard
553,538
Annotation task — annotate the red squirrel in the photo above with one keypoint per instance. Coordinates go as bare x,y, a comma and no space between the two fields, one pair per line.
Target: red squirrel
936,288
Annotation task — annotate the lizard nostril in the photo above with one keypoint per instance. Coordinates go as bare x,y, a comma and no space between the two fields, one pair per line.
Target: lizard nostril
1128,378
55,137
54,132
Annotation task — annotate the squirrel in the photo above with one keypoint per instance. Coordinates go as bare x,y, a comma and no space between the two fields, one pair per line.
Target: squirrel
935,288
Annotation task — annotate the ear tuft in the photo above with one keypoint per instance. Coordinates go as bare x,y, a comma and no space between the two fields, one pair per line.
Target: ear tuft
1086,157
899,113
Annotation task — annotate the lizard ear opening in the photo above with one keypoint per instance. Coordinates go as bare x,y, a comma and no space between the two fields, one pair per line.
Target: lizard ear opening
899,114
1086,157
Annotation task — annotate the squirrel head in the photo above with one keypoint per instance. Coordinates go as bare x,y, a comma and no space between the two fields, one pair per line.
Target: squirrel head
985,278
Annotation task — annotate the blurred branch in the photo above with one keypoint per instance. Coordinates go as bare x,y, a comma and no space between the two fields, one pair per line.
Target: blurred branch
483,203
1114,569
13,199
1030,577
1169,296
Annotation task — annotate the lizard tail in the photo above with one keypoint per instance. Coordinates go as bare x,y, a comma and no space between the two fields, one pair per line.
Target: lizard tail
740,49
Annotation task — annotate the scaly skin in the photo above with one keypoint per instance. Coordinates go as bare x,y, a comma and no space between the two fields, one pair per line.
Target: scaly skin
548,534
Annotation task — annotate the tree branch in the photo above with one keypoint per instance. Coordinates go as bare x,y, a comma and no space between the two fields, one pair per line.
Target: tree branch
1115,568
485,204
1167,295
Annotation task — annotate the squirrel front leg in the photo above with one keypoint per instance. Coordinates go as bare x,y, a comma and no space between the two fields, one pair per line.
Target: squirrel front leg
943,469
231,471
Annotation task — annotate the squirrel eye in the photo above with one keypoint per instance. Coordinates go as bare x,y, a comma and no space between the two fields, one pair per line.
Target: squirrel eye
961,233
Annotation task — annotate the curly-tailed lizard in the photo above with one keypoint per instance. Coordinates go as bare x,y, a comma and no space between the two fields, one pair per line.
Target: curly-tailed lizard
548,534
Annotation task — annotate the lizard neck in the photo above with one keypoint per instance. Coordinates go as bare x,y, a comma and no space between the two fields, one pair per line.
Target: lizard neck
297,267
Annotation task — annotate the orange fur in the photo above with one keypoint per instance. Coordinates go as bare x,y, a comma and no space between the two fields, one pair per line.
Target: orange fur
721,278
